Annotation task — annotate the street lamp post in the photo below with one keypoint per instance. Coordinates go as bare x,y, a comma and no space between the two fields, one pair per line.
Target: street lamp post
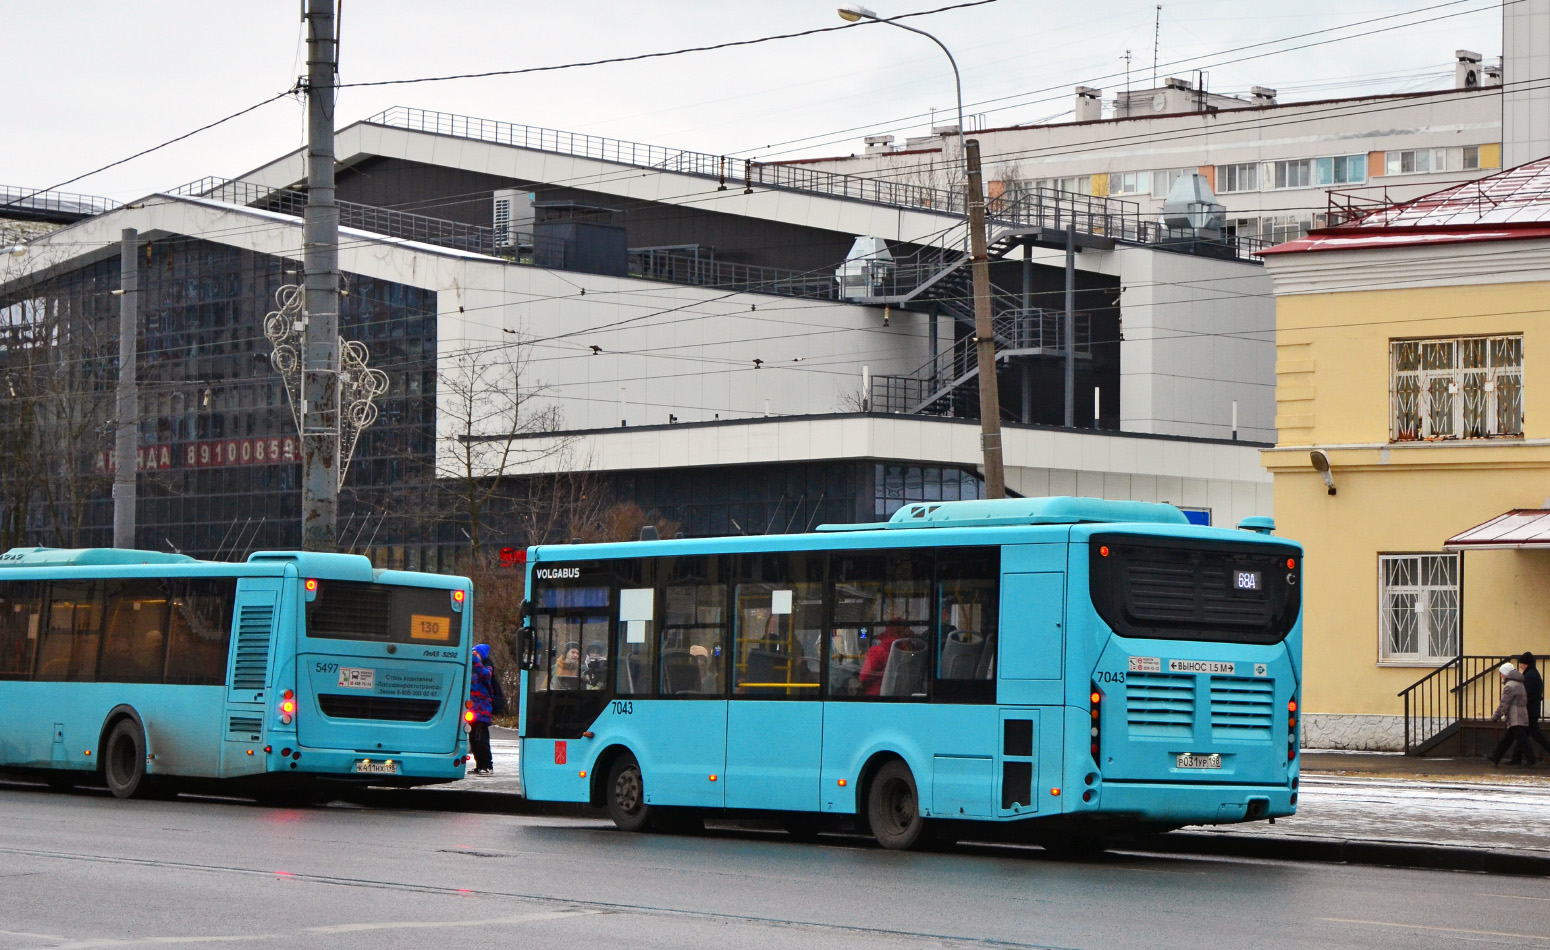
979,262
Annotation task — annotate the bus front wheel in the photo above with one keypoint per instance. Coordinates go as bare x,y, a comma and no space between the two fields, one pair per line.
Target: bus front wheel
123,762
627,795
893,809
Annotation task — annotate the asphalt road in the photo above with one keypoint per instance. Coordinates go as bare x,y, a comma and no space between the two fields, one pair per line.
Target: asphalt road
83,870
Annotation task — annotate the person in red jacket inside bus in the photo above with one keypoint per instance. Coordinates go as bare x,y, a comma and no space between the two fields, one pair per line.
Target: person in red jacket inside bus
876,660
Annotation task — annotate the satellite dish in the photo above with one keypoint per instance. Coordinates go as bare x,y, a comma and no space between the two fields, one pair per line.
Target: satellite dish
1159,102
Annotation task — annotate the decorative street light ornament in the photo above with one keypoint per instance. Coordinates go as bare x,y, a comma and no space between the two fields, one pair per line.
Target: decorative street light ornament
359,385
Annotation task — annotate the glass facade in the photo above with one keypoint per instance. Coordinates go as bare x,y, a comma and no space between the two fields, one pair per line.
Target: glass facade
219,459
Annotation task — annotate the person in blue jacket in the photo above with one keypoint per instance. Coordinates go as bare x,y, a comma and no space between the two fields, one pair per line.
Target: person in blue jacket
481,691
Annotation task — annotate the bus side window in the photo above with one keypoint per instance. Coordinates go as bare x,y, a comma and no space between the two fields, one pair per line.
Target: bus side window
21,615
880,646
72,631
199,630
134,635
694,630
966,615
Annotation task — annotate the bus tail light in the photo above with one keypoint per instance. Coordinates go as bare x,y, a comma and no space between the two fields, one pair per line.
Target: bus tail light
1096,729
287,707
1291,729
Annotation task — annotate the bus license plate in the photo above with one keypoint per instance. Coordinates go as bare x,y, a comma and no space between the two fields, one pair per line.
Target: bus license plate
1195,760
368,767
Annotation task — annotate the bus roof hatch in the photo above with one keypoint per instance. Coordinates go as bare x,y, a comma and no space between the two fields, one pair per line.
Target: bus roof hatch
86,557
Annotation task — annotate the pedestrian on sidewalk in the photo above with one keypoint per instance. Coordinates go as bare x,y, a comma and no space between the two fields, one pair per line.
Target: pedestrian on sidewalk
1534,686
481,692
1514,709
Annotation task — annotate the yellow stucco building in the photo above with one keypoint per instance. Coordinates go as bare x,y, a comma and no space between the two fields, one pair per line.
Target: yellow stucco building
1413,362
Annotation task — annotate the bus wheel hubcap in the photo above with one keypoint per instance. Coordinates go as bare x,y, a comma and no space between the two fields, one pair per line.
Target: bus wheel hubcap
627,791
901,810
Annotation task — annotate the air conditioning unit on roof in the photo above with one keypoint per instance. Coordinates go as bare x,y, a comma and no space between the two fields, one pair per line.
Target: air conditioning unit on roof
513,217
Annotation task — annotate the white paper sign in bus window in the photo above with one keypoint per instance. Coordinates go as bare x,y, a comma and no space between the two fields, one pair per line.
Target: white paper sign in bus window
636,603
780,601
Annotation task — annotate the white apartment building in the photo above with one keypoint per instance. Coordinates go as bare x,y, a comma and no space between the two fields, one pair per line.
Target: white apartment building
1280,168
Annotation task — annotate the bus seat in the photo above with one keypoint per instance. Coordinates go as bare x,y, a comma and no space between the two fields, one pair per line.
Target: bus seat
905,673
986,668
761,666
961,652
680,672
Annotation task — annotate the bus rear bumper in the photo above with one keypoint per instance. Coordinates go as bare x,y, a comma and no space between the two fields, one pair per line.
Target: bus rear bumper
407,768
1176,804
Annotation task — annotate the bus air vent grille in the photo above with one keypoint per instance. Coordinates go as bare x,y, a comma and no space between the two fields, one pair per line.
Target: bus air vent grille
378,707
1242,708
1160,705
247,727
253,632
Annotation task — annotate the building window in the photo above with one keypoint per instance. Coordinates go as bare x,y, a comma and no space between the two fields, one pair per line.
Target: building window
1290,174
1341,170
1130,183
1420,161
1230,178
1164,180
1418,601
1077,184
1457,388
1281,229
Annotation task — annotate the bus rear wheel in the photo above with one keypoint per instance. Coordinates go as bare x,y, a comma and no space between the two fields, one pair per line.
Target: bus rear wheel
627,795
893,809
123,762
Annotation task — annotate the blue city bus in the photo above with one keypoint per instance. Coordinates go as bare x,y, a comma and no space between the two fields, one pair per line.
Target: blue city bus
154,672
1061,670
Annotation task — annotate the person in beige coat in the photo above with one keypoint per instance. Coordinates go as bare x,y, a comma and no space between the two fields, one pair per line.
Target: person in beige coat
1514,709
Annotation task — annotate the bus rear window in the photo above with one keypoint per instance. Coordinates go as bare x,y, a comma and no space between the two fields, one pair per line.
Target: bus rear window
345,610
1184,589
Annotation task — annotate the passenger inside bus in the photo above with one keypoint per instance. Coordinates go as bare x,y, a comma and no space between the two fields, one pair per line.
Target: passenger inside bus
594,668
567,668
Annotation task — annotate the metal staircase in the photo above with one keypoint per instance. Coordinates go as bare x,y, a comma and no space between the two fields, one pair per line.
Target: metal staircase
1448,711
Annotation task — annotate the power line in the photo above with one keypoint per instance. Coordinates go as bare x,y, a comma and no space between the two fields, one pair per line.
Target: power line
665,53
203,128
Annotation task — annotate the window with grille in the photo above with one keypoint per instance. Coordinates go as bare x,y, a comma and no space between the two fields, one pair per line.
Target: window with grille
1418,603
1456,388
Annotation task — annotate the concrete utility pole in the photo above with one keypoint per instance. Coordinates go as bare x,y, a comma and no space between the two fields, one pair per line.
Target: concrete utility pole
320,352
126,438
984,330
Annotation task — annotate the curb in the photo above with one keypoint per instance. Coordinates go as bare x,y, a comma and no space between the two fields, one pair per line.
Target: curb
1350,851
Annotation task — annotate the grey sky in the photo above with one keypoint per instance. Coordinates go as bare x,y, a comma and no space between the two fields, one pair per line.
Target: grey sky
91,82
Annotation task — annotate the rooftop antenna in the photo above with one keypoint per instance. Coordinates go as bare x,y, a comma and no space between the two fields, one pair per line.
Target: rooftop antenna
1156,39
1126,58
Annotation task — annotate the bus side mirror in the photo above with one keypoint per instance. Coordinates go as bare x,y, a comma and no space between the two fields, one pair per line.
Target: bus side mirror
525,639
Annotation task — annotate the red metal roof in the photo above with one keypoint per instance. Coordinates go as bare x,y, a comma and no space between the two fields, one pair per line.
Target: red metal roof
1517,529
1511,205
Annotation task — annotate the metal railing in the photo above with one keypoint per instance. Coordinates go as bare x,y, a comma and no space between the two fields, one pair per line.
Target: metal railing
679,267
936,385
1466,688
16,198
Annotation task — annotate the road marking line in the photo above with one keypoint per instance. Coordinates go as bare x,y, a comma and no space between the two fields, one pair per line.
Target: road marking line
1450,930
427,924
1516,897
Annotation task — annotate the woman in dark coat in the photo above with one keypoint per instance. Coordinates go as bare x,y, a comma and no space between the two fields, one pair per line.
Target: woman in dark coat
1514,709
481,692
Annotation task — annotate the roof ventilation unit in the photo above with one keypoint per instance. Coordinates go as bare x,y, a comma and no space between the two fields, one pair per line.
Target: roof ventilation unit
512,212
1466,72
1192,208
865,268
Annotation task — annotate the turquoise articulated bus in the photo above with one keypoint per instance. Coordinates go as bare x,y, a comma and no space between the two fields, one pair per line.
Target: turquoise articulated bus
155,672
1060,670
